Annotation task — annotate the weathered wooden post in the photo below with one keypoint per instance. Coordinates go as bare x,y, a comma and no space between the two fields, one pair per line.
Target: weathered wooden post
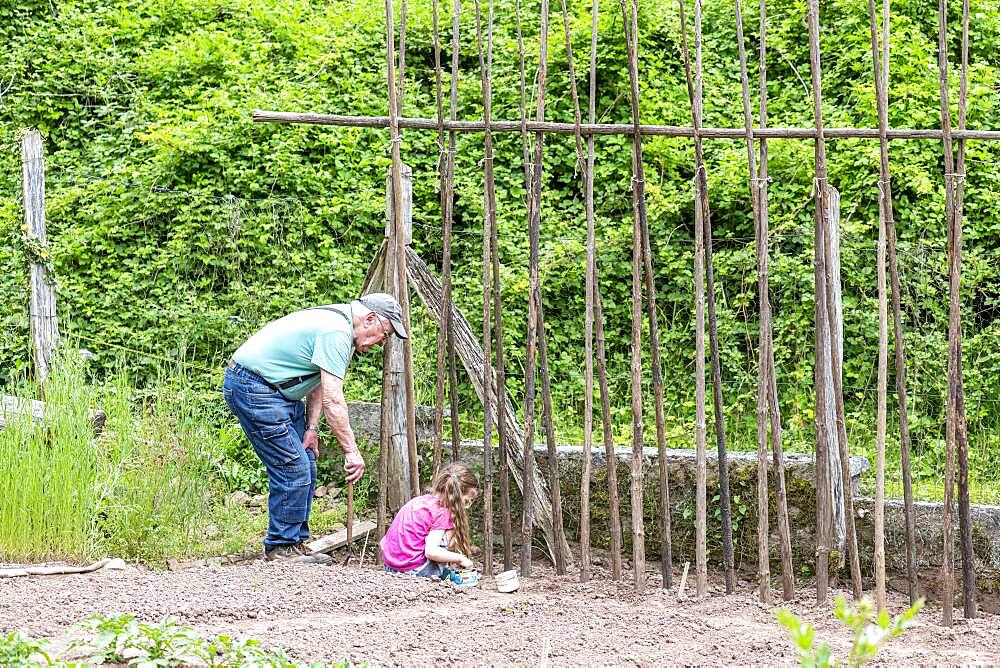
399,482
837,490
44,327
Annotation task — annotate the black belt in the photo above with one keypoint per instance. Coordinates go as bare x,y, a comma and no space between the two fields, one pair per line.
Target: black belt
283,385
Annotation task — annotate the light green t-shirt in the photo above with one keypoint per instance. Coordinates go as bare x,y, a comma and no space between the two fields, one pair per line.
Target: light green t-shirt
300,344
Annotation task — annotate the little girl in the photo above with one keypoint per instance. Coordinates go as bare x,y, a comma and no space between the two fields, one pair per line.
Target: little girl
431,531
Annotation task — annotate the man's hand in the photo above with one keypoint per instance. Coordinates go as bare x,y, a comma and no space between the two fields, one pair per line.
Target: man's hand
311,441
354,465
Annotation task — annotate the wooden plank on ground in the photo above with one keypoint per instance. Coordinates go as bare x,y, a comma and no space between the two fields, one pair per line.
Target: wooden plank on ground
339,538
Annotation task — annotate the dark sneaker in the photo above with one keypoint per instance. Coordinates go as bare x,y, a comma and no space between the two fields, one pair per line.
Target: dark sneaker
295,554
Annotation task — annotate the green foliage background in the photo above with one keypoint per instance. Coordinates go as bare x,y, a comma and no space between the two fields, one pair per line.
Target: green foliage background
178,226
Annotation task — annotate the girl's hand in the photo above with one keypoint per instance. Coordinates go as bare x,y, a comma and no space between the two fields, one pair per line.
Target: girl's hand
465,562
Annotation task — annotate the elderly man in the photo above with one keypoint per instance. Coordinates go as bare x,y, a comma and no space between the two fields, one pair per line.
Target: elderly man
303,355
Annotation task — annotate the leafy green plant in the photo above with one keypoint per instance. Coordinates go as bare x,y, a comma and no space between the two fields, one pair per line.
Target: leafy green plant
18,649
124,639
870,631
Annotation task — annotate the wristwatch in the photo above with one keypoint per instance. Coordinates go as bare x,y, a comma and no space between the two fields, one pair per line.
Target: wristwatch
312,427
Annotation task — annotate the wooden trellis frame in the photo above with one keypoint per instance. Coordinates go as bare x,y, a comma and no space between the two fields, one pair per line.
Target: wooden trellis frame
642,269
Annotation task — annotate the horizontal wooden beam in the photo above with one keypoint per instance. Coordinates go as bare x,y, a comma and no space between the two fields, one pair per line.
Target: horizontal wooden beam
261,116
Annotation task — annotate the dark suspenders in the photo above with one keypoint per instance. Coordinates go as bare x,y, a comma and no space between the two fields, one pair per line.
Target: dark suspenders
292,382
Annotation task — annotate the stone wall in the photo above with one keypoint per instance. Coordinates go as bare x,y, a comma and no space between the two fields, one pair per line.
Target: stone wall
801,494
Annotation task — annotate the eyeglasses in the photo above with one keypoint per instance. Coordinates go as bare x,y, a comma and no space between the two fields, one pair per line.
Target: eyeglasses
385,331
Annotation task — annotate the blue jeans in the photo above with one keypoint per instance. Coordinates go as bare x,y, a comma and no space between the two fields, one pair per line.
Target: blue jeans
275,426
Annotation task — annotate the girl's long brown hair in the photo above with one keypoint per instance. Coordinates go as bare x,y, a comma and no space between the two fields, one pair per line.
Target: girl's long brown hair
449,486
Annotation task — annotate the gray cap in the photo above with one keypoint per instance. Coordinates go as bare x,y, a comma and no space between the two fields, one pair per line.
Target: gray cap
386,306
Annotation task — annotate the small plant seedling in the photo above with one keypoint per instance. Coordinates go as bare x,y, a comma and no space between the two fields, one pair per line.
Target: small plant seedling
18,649
871,632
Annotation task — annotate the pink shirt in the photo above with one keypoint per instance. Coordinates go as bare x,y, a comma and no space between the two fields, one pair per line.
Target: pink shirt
403,544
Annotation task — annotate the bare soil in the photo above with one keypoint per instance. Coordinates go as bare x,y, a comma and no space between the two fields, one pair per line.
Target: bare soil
337,612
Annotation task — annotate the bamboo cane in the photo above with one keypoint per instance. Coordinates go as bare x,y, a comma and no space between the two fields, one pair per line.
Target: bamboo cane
638,218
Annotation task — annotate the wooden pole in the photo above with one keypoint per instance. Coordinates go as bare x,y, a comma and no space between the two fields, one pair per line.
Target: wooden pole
954,324
456,436
442,341
962,439
561,557
502,401
401,457
898,340
398,248
489,222
429,290
701,212
763,530
585,163
695,96
263,116
44,325
630,25
534,292
404,296
822,355
880,64
611,468
834,358
590,287
614,504
349,519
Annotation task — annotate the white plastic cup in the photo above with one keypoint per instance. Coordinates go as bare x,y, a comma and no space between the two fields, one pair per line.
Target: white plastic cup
507,582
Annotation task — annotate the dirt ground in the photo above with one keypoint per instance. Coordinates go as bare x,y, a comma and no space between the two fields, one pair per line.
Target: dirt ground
365,615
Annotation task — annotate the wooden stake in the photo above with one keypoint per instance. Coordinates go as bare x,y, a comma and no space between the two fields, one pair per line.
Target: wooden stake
349,520
954,323
880,64
639,221
823,498
442,341
701,212
614,505
550,439
684,578
961,431
429,290
586,164
489,222
44,325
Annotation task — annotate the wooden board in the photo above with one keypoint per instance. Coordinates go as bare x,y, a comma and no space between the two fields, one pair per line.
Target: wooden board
339,538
